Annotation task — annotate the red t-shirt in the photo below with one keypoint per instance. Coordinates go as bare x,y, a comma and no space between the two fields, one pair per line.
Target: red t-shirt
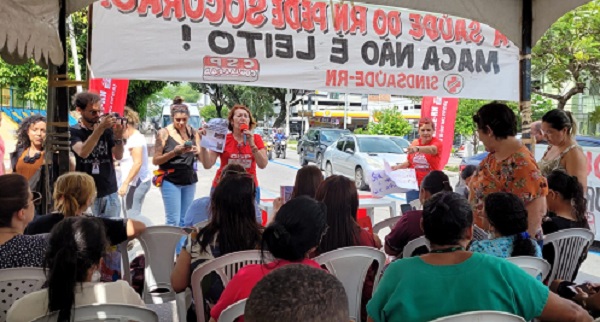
425,163
240,154
241,284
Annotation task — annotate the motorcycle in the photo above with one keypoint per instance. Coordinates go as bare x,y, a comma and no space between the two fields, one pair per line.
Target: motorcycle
269,144
280,148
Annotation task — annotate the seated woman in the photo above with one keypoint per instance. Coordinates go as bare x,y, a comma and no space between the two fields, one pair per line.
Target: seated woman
408,226
508,220
567,208
232,227
17,207
74,192
76,247
450,280
308,179
290,238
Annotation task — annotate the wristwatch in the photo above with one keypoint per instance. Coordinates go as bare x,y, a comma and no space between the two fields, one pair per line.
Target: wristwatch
418,149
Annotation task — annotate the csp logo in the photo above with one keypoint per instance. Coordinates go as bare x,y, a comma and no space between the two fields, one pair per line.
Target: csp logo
454,83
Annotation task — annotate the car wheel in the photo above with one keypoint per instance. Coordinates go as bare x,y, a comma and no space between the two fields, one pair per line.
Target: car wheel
328,169
302,158
320,161
359,179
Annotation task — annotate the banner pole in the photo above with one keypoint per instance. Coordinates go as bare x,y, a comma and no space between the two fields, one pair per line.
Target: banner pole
525,74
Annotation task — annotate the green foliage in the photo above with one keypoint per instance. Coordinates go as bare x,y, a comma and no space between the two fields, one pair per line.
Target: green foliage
185,90
595,116
29,81
360,130
209,112
540,106
140,94
390,122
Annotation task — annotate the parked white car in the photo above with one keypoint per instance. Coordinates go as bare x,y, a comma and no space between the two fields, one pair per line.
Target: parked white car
357,156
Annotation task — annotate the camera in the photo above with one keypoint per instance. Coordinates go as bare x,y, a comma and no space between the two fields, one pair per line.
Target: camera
119,119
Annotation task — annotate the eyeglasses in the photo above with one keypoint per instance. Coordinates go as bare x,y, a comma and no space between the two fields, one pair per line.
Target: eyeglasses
36,198
96,113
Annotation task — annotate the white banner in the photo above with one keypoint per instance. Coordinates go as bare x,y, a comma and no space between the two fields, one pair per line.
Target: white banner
305,45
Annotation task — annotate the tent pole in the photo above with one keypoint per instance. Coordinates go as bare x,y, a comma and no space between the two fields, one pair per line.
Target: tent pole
525,74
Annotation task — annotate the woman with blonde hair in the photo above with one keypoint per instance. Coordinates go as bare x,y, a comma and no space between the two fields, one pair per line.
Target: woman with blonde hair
135,172
74,192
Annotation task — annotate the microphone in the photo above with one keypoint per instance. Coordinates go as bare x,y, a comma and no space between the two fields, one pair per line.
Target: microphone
244,127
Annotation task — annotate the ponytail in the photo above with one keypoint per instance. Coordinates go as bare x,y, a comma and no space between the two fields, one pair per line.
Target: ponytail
72,191
570,190
573,129
523,245
62,279
278,241
435,182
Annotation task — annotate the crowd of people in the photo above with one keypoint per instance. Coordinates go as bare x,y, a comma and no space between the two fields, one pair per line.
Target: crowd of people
508,203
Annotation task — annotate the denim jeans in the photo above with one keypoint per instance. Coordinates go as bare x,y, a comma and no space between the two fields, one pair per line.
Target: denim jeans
107,206
135,198
412,195
177,200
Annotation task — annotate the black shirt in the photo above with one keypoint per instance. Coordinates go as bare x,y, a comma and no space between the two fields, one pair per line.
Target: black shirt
116,229
104,176
184,173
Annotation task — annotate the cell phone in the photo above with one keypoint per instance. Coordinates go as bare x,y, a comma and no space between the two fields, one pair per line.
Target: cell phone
188,144
406,208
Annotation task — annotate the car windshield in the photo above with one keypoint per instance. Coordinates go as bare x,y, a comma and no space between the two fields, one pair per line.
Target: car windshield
401,142
330,136
378,145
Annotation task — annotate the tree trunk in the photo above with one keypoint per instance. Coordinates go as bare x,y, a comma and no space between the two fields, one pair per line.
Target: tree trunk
563,99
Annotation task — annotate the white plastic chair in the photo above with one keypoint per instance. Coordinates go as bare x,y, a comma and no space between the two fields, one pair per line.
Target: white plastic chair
412,245
201,224
481,316
122,247
534,266
233,311
569,246
386,223
225,266
106,312
16,283
159,244
350,265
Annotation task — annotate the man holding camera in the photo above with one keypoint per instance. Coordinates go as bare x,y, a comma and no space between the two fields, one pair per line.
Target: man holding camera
95,140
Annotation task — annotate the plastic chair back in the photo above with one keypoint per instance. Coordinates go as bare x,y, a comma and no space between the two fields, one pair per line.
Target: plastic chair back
106,312
233,311
159,243
387,223
16,283
412,245
569,246
126,273
226,267
534,266
350,265
481,316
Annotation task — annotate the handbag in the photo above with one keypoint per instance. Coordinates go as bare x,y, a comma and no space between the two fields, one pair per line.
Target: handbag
159,176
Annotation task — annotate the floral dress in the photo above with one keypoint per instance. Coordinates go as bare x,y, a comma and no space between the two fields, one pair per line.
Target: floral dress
517,174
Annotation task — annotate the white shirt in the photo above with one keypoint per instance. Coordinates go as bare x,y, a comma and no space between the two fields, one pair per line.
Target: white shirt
34,305
136,140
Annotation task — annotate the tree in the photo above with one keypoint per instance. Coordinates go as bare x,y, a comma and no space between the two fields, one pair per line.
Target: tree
389,122
464,124
215,92
279,94
568,55
595,117
185,90
140,93
208,112
29,80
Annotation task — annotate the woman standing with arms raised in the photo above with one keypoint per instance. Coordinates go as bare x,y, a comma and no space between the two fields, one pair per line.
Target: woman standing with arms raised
423,155
241,147
175,153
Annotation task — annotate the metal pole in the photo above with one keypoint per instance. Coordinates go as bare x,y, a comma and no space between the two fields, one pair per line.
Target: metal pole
345,110
525,81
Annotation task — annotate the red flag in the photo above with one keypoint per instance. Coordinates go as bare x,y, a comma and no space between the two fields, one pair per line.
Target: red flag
113,93
442,111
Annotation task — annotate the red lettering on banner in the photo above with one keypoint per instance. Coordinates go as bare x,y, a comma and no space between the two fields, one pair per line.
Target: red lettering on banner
340,21
359,20
395,23
278,20
292,14
597,166
589,162
380,23
433,83
343,78
359,78
500,40
235,21
475,34
173,6
319,14
154,5
460,31
215,17
331,77
197,14
106,4
370,79
254,15
125,6
430,25
416,29
446,28
306,19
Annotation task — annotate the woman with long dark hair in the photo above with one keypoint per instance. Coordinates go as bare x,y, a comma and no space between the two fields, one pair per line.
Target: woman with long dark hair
290,238
308,179
76,247
508,218
232,227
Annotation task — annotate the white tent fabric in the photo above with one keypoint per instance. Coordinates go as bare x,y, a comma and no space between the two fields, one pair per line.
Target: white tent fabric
504,15
29,29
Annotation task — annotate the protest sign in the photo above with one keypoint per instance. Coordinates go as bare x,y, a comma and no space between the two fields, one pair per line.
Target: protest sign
339,47
113,93
442,111
286,193
216,132
386,181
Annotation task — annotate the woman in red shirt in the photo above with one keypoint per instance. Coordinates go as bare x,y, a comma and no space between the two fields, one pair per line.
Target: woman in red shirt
241,147
423,155
294,233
